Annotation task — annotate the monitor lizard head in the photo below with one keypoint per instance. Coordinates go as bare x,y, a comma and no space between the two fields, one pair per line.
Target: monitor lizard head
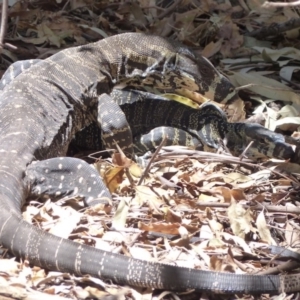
264,142
209,124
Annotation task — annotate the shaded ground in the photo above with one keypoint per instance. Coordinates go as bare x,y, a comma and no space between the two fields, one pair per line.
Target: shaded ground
220,209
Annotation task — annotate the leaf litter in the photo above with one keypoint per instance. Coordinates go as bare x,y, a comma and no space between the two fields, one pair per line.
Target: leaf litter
201,210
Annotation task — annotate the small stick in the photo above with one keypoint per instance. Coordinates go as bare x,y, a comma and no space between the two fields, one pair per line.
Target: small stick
151,160
245,150
280,4
3,22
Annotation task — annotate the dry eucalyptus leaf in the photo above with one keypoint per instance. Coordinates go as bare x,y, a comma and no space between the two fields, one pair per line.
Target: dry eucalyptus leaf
167,228
220,265
240,219
288,123
113,177
140,253
145,194
287,72
216,243
275,54
9,266
135,170
292,235
69,218
263,229
238,241
206,232
239,180
120,217
267,87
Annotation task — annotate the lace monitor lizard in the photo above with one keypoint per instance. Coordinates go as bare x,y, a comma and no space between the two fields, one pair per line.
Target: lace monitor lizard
89,138
148,132
43,108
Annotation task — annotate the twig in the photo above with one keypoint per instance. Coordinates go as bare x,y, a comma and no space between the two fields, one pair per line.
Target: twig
245,150
131,181
268,4
246,86
10,46
3,23
151,160
258,207
65,6
287,266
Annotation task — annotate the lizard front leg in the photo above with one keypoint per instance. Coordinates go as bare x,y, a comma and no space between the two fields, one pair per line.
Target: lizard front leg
115,129
59,177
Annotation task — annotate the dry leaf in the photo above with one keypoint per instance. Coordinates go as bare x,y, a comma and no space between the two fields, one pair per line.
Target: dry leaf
120,217
166,228
263,229
140,253
68,220
292,235
240,219
145,194
113,177
267,87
